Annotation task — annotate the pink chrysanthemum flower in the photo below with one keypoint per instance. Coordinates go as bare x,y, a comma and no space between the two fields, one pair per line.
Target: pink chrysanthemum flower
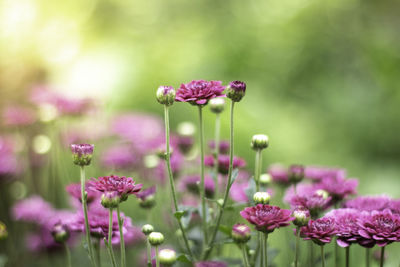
121,185
319,231
338,187
368,203
33,209
223,163
267,218
380,227
199,92
119,157
191,183
317,173
9,164
74,190
279,174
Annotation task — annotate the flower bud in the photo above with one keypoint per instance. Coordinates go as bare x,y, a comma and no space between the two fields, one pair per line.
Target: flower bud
301,215
296,173
217,105
166,95
220,202
261,197
82,154
324,194
60,233
236,90
259,142
162,152
3,231
147,229
156,238
110,200
265,179
241,233
252,252
167,257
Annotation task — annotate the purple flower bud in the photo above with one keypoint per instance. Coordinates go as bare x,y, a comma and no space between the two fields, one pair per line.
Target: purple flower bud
60,233
166,95
147,197
241,233
296,173
82,154
236,90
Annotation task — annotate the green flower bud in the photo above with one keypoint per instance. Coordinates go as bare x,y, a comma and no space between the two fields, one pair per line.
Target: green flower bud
166,95
60,233
265,179
236,90
167,256
261,198
220,202
301,215
110,200
217,105
259,142
147,229
148,202
156,238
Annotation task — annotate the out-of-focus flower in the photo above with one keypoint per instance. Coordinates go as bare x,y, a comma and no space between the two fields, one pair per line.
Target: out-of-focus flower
33,209
380,227
338,187
259,142
119,157
192,182
165,95
279,174
241,233
267,218
217,105
121,185
82,154
296,173
60,232
185,143
394,206
74,190
199,92
317,173
9,164
223,163
301,215
223,146
239,191
3,231
156,238
236,90
167,256
319,231
18,116
147,197
368,203
210,264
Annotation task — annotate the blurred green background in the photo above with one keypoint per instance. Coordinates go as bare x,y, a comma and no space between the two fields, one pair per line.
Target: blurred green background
322,76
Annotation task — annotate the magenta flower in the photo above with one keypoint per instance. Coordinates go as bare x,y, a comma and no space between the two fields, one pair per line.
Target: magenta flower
144,194
394,206
223,146
210,264
368,203
318,173
192,183
223,163
18,116
119,157
319,231
199,92
33,209
82,154
185,143
74,190
346,225
380,227
267,218
279,174
10,166
122,186
238,192
339,187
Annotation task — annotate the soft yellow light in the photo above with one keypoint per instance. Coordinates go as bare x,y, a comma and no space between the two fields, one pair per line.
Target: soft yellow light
41,144
47,112
17,16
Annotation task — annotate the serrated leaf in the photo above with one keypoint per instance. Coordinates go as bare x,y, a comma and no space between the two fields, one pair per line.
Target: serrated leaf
184,258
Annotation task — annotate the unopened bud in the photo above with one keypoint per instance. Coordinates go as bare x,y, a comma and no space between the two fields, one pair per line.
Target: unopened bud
296,173
166,95
261,197
236,90
156,238
241,233
110,200
167,257
60,233
265,179
259,142
82,154
217,105
301,215
147,229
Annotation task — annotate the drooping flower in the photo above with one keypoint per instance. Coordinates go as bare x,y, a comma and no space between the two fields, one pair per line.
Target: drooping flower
199,92
121,185
267,218
368,203
192,182
74,190
380,227
223,163
320,231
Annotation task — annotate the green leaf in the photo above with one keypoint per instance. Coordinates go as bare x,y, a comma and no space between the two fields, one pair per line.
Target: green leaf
225,229
234,176
184,258
179,214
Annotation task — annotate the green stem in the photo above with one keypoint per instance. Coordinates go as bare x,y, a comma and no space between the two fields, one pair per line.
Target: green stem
84,207
348,256
68,254
96,247
367,257
121,234
257,169
261,246
110,253
202,189
245,258
336,254
322,256
221,211
216,152
171,178
157,260
109,245
382,256
148,253
265,250
296,259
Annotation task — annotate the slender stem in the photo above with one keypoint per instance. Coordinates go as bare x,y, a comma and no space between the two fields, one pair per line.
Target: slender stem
216,152
265,252
367,257
171,178
296,260
148,253
322,256
110,226
221,211
84,207
348,256
110,253
202,189
382,256
245,258
311,251
257,169
336,254
261,246
157,260
67,254
96,247
121,234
